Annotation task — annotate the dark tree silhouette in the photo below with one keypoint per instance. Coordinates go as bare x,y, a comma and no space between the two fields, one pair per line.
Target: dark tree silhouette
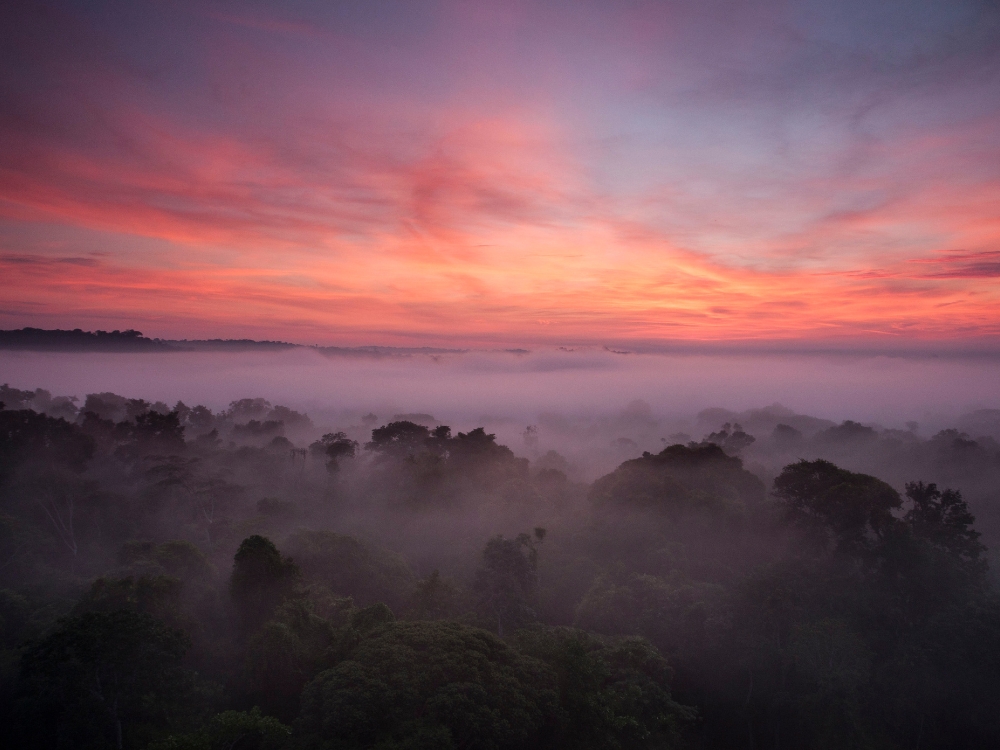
853,511
505,582
336,446
260,581
104,679
398,439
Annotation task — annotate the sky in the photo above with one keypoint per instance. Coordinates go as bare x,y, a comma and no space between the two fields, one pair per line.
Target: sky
488,174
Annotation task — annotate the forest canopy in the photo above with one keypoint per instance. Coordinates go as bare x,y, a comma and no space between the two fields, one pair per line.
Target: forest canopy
174,577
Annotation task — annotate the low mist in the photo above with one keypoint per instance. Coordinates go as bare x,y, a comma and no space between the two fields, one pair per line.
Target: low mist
596,406
464,387
718,550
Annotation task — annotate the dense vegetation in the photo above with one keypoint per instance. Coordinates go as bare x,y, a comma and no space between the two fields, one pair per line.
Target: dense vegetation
177,578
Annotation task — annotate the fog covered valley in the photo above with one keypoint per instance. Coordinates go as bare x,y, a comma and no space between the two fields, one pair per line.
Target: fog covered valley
257,575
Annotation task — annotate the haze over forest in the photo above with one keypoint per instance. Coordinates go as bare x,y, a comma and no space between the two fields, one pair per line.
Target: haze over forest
380,548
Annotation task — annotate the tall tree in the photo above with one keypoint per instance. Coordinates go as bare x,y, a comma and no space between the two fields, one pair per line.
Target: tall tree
261,580
505,582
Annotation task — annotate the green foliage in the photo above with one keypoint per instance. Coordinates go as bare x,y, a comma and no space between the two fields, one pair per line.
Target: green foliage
246,730
104,679
851,511
149,433
420,467
839,615
476,446
612,693
157,596
505,582
943,520
832,668
680,480
285,653
429,684
351,567
261,580
369,618
673,612
398,439
32,440
434,599
15,399
872,628
335,446
183,559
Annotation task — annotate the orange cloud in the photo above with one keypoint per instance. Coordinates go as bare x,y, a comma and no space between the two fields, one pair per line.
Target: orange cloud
474,223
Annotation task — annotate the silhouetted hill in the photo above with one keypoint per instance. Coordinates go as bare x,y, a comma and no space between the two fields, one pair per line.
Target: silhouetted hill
229,345
77,340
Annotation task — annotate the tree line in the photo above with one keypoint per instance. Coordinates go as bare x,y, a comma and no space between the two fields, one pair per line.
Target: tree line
174,578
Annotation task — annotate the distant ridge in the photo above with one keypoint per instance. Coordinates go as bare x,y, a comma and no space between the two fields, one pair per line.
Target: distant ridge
382,351
77,340
231,345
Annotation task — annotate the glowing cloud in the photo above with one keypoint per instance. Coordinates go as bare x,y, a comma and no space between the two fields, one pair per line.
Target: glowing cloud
503,173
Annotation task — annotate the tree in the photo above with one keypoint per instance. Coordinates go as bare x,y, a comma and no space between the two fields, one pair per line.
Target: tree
335,446
429,684
261,580
246,730
851,511
613,693
505,582
152,433
943,519
351,567
35,441
731,438
433,599
673,613
104,679
15,399
157,596
679,480
398,439
248,408
284,654
40,461
478,444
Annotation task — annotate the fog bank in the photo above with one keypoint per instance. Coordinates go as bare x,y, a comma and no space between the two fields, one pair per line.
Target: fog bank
460,388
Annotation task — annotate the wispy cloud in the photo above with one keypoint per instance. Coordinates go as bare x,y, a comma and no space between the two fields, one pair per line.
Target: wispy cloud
962,265
464,174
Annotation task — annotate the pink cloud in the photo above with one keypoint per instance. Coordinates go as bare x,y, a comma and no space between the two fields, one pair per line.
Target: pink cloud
457,186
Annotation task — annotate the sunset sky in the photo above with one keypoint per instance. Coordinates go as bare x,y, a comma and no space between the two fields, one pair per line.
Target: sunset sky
483,174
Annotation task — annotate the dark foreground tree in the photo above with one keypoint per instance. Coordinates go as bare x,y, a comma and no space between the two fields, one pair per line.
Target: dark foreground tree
429,685
613,693
284,655
104,679
875,628
231,730
261,580
505,582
